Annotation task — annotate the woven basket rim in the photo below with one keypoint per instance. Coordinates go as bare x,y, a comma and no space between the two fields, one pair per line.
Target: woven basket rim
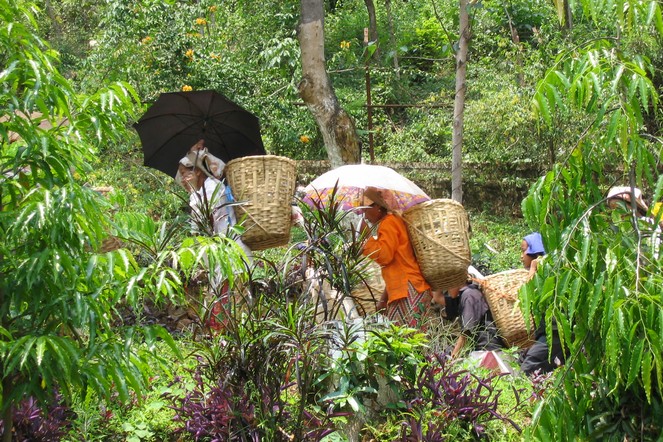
261,157
495,278
433,202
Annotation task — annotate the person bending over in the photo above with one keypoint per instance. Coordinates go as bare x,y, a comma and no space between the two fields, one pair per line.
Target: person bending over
476,321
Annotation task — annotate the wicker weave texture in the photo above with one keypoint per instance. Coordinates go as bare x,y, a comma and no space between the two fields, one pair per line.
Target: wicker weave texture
366,294
439,232
266,183
501,292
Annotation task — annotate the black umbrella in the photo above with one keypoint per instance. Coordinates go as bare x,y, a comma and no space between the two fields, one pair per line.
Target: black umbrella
178,120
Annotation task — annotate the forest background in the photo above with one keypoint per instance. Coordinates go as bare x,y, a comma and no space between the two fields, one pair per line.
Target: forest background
567,91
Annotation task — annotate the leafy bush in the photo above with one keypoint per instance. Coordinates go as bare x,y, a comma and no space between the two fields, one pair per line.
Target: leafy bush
37,423
370,358
459,396
446,401
495,242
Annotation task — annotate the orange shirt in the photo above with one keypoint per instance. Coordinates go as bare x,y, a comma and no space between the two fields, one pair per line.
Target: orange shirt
393,251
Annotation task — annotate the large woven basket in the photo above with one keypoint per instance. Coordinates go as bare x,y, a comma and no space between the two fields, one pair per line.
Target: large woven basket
439,232
501,292
366,294
266,186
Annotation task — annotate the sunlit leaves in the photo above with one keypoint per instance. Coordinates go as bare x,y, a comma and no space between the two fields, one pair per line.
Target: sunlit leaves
58,299
606,301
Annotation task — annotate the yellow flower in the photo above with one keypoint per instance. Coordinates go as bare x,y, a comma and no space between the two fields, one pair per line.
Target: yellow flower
146,40
304,139
189,54
345,44
186,88
212,8
201,21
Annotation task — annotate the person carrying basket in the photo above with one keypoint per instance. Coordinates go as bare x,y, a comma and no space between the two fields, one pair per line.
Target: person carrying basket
407,295
542,356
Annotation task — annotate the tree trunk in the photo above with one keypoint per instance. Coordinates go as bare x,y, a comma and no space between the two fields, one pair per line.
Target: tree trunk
56,25
459,105
372,25
564,13
392,37
337,128
515,38
568,17
7,414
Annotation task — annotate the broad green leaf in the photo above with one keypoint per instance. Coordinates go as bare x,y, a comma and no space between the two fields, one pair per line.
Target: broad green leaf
614,87
118,377
613,125
41,348
635,364
354,404
646,374
594,301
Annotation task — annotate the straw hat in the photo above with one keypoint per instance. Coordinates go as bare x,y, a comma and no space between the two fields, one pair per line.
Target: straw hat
624,193
373,195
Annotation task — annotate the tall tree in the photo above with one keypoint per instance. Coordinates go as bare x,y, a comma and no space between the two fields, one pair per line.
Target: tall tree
335,124
563,9
372,23
392,37
459,103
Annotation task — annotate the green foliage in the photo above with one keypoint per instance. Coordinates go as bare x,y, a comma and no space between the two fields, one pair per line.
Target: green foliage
133,187
598,109
512,137
368,359
601,283
495,243
147,419
58,300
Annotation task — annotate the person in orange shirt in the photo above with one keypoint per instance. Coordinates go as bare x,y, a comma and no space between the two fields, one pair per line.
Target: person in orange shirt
407,295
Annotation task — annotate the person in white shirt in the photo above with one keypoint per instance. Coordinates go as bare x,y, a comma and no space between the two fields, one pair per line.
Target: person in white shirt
210,199
212,213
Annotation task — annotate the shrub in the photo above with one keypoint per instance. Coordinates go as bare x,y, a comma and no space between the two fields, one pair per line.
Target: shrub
36,423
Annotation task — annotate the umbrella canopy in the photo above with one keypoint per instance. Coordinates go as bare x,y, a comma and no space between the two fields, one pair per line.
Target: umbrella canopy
349,184
178,120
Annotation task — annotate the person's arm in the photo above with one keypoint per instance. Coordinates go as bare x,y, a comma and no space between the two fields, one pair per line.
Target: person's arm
460,343
382,303
532,268
382,249
364,228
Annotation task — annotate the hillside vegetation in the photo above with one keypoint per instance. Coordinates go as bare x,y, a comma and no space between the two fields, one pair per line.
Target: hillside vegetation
92,277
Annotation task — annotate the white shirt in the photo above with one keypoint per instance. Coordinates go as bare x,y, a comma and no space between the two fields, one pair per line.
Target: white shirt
211,204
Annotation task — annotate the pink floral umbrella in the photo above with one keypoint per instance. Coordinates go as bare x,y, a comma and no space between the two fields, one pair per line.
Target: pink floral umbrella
347,185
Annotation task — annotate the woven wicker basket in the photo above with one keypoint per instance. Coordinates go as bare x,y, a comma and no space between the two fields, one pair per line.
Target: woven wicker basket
266,183
439,232
367,294
501,292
